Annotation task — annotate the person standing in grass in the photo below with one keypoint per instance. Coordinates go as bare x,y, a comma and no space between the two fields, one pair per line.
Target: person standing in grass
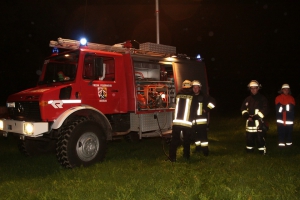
181,129
201,105
285,111
254,108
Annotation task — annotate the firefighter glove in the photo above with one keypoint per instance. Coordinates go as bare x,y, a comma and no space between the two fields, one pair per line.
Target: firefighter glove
246,115
255,117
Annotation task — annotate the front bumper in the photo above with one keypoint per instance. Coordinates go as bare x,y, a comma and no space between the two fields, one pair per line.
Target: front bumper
30,129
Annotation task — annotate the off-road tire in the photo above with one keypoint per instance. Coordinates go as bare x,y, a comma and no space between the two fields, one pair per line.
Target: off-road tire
81,143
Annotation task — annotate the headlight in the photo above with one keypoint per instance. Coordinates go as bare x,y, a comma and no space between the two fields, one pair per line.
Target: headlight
10,104
1,125
28,128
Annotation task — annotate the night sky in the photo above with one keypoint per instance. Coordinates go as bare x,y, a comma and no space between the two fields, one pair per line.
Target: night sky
239,40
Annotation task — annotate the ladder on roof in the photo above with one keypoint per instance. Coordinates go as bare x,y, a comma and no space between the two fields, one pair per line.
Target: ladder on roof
75,44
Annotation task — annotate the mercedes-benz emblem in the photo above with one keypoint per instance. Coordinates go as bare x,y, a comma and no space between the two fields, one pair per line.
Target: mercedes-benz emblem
20,108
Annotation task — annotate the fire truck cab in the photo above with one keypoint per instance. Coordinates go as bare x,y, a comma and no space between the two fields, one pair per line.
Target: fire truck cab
92,93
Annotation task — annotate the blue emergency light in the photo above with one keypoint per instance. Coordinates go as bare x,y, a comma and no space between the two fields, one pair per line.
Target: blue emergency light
198,57
55,50
83,42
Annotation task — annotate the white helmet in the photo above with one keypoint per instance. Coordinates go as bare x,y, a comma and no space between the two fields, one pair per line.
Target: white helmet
285,86
196,82
254,83
187,84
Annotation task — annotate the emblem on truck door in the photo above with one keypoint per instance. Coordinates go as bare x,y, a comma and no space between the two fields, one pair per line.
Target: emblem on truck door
102,93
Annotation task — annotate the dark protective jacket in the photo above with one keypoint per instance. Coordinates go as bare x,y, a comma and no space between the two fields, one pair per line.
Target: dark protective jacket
182,109
255,106
201,105
285,109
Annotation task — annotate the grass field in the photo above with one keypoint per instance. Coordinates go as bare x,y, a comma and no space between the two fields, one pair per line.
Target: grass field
138,170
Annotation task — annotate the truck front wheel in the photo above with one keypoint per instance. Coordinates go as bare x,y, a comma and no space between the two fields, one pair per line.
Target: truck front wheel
81,143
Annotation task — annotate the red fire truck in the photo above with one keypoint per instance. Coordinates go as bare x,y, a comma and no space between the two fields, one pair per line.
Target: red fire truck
91,93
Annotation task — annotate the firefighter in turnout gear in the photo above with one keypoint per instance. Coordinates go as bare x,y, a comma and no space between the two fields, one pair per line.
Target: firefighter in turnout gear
181,129
254,109
285,111
201,105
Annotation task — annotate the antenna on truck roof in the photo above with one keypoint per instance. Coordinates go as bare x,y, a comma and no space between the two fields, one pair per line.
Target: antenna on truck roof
157,21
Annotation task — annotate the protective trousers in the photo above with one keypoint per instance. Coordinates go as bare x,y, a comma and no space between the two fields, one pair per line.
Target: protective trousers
259,138
201,140
180,134
284,134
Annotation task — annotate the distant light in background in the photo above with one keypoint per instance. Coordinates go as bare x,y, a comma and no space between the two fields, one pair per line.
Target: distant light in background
210,33
199,38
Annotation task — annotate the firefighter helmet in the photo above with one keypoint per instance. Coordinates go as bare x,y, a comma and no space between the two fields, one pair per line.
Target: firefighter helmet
187,84
254,83
196,82
285,86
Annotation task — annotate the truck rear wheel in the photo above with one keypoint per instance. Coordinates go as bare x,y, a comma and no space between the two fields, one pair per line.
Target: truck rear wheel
82,142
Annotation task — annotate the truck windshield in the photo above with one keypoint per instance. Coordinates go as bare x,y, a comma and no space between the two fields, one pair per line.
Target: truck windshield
60,68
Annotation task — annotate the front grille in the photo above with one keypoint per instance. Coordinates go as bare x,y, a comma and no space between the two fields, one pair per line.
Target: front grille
25,111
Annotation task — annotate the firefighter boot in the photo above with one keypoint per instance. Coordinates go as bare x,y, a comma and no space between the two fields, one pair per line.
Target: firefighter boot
198,149
172,153
186,153
262,150
249,149
205,151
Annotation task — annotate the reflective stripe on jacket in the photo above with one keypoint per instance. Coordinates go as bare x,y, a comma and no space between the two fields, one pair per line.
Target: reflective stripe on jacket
182,110
256,106
201,105
285,109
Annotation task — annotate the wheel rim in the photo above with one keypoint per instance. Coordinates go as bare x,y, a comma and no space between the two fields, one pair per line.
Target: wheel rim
87,146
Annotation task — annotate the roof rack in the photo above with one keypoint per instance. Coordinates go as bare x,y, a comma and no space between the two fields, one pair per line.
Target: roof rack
75,44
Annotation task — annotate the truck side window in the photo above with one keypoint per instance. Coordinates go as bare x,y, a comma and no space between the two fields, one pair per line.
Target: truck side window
109,64
88,67
108,68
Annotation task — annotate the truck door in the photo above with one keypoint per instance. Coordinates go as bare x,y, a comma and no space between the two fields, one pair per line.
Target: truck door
100,87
